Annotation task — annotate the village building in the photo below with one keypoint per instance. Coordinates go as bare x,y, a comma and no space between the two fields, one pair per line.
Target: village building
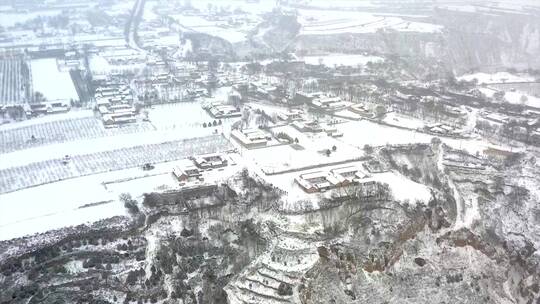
291,115
210,161
219,110
251,138
349,174
319,181
496,118
307,126
361,110
184,172
374,166
329,103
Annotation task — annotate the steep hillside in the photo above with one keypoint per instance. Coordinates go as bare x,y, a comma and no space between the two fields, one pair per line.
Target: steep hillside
469,41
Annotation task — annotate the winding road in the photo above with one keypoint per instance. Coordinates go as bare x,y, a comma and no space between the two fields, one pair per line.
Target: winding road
133,24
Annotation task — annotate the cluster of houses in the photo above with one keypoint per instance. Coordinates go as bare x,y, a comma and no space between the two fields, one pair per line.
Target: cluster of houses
220,110
327,103
291,115
313,126
443,129
115,104
526,129
193,168
321,181
362,110
267,91
419,100
321,101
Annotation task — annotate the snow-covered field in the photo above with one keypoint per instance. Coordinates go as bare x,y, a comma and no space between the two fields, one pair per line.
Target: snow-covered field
48,170
508,6
515,97
101,66
73,114
499,77
41,208
149,14
325,22
54,130
404,189
53,83
215,28
55,206
311,152
403,121
8,19
256,8
168,122
332,60
360,133
341,4
188,117
179,115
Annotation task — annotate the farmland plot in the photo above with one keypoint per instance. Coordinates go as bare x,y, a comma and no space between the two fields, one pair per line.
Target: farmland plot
16,178
14,82
61,131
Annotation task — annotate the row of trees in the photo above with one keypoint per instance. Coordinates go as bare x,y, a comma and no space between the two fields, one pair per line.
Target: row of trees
213,124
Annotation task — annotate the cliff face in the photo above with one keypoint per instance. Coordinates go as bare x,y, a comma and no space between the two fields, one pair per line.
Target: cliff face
469,41
425,255
240,242
485,41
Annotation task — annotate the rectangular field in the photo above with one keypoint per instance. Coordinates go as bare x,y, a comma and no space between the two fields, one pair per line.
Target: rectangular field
61,131
55,85
14,82
16,178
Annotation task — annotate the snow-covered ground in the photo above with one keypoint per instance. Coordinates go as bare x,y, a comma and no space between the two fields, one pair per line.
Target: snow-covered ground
499,7
332,60
73,114
178,115
251,7
403,189
55,206
101,66
149,14
327,22
499,77
403,121
172,122
53,83
360,133
58,205
215,28
89,146
8,19
342,4
515,97
311,151
122,6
